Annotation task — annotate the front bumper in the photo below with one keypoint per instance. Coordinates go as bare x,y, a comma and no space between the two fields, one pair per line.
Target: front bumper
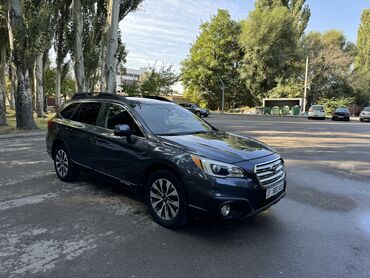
365,117
243,201
340,117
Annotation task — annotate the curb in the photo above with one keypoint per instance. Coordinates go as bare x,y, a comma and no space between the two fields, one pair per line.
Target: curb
261,115
275,116
23,134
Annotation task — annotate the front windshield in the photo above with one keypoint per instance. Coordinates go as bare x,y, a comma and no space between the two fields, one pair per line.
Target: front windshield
367,109
170,119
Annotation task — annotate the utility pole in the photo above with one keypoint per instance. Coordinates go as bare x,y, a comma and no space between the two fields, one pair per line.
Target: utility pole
222,97
305,86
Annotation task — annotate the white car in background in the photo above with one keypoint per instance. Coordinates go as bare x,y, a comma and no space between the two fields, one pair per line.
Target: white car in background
365,114
316,112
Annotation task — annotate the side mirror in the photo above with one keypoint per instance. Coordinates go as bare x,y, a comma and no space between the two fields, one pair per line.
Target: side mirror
122,130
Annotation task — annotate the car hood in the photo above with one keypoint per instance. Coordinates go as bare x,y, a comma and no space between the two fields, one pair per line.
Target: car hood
221,146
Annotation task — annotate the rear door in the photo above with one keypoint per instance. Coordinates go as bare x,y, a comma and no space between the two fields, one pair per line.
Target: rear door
120,157
82,133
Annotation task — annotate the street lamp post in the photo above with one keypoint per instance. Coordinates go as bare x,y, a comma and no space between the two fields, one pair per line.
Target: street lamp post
305,86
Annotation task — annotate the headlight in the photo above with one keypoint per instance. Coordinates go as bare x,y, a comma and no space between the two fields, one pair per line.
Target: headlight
218,169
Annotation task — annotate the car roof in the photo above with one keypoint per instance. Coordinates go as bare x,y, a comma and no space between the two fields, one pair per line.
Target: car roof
106,96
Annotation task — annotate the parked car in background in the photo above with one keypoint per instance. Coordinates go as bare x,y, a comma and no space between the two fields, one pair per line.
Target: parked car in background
341,113
177,160
200,112
365,114
316,112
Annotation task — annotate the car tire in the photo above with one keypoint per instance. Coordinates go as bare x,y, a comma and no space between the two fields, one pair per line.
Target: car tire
198,114
166,199
63,165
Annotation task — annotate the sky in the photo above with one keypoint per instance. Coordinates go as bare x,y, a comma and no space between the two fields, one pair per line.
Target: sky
162,31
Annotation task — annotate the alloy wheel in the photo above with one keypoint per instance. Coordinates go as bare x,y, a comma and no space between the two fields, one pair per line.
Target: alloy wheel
164,199
61,162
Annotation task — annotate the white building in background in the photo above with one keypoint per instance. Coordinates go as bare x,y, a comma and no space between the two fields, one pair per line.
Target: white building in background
129,77
132,76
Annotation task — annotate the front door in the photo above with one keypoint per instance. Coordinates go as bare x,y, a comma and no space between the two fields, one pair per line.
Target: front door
120,157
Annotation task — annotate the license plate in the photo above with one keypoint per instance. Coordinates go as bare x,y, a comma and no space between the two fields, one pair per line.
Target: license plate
274,190
340,117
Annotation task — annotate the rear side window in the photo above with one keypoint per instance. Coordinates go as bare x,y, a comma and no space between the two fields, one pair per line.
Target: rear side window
89,113
67,112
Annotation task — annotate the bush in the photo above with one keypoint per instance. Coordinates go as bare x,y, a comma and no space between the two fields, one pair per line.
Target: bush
332,103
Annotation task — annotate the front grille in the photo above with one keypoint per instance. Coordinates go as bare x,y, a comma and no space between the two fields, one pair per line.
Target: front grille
270,173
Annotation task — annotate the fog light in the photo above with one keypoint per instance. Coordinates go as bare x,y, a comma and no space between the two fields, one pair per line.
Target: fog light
225,210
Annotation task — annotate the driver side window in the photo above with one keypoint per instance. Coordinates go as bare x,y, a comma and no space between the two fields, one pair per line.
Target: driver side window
118,115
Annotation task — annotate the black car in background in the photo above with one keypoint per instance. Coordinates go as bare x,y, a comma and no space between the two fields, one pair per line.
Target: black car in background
341,113
200,112
161,149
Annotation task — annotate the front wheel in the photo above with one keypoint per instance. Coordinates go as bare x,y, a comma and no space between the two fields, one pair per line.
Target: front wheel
63,165
166,201
198,114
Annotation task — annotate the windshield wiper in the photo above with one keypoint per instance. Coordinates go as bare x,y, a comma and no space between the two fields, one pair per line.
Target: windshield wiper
183,133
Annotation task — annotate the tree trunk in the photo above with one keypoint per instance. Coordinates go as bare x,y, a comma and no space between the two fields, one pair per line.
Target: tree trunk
39,86
13,85
23,103
32,87
58,75
45,57
2,87
112,43
78,51
23,100
102,67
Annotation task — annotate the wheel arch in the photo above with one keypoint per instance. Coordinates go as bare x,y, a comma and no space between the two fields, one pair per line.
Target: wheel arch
56,143
156,166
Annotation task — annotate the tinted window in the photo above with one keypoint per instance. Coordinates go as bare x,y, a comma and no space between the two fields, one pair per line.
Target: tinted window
367,109
67,112
89,113
118,115
170,119
318,108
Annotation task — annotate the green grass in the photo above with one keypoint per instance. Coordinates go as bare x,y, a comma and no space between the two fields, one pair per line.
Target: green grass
42,124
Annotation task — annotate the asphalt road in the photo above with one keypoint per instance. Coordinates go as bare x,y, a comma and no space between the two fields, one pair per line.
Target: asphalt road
94,228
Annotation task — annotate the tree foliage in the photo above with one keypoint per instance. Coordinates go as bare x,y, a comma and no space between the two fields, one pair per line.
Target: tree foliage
300,11
155,82
331,58
269,39
330,104
214,58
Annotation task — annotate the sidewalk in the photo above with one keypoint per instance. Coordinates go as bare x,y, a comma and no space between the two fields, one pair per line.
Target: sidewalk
23,134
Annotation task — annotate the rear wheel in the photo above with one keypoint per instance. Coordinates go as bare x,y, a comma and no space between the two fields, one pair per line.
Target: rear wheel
63,165
198,114
166,201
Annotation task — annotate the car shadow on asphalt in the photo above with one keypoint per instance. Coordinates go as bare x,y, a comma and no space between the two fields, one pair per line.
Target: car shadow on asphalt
201,225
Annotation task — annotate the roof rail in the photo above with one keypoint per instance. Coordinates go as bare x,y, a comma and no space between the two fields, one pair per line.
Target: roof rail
98,95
